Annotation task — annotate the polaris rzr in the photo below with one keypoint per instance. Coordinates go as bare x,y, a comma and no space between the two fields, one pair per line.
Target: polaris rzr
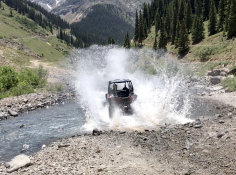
120,96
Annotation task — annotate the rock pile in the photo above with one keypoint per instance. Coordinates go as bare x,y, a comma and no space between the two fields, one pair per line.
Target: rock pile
12,106
218,75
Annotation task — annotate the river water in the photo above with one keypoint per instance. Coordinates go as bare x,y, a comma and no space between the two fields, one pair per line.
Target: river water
28,132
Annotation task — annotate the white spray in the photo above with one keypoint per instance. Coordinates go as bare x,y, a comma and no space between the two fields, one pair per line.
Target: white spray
157,80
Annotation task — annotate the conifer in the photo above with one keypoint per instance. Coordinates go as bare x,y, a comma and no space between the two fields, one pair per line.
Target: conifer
163,36
221,11
188,15
232,20
198,26
127,41
141,29
174,21
212,19
183,42
157,23
136,29
177,35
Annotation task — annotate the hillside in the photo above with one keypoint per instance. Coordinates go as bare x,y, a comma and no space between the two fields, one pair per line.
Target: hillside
22,40
222,49
103,22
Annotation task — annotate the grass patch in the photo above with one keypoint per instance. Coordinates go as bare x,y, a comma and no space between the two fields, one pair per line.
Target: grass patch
230,83
202,68
55,87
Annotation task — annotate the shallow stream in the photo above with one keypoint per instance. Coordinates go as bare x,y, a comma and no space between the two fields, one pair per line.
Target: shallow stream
28,132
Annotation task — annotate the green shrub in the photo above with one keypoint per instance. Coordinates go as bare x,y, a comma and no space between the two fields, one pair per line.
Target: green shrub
35,77
230,83
22,88
14,84
8,78
204,54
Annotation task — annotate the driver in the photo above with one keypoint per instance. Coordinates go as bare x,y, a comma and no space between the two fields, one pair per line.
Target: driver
125,88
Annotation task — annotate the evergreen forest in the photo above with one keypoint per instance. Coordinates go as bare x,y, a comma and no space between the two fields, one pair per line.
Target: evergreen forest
181,22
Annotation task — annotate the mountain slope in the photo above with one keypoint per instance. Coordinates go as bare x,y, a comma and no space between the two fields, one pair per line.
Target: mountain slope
22,40
103,22
75,10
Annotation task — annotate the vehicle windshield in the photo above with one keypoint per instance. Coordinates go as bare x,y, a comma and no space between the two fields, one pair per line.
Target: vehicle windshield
120,89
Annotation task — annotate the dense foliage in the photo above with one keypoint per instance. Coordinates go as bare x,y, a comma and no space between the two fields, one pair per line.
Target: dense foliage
13,83
184,18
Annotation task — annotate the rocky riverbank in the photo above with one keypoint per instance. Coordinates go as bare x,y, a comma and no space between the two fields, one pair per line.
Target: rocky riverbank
13,106
202,147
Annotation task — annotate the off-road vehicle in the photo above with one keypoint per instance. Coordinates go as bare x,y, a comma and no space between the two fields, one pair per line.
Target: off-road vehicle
120,95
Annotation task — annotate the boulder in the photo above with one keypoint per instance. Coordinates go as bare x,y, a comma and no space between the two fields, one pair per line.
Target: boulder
18,162
223,74
215,80
214,73
12,113
232,72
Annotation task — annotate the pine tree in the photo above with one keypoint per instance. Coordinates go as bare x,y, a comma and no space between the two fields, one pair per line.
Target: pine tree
198,26
155,44
181,11
163,36
141,29
157,23
177,35
136,29
227,13
232,20
127,41
145,29
206,9
168,23
183,42
11,14
188,15
174,21
212,19
113,41
221,12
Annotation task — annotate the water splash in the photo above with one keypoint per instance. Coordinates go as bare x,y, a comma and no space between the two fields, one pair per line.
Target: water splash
158,81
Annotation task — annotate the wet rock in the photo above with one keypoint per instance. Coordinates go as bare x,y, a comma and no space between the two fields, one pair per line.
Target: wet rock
21,126
12,113
96,132
18,162
62,146
198,126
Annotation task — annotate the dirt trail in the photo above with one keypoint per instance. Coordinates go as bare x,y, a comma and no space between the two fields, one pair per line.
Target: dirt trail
56,74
